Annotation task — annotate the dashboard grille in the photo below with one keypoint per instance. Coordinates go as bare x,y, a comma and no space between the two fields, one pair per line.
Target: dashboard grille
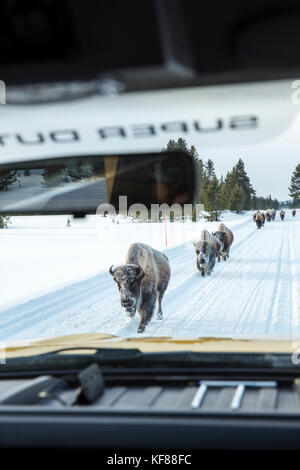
192,398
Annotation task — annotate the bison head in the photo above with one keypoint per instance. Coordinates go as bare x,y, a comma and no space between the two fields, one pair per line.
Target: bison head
201,252
129,278
220,235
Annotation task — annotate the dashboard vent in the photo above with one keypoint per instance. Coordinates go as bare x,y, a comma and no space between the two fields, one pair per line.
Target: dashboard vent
269,389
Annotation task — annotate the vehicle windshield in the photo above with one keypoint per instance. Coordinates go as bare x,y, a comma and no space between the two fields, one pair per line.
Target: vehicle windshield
230,269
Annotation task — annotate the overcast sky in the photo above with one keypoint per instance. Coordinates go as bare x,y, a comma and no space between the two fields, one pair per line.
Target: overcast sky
269,164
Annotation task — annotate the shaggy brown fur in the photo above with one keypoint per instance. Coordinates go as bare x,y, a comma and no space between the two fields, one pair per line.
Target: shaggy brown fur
225,237
206,249
141,281
259,219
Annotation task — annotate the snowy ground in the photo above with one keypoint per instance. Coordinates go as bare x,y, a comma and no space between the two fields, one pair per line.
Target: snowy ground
56,281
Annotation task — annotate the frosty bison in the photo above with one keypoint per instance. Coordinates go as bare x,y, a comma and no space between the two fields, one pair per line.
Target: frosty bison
258,219
282,214
225,237
293,212
206,248
143,279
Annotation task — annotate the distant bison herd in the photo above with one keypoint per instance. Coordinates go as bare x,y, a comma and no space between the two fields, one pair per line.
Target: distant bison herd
144,277
260,217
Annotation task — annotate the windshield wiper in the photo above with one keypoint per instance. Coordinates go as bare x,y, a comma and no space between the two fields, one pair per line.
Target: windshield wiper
64,359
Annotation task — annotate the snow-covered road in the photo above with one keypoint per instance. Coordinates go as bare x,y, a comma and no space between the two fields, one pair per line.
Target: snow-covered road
255,294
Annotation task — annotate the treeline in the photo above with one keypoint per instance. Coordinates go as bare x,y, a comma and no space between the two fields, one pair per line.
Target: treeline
61,175
294,189
234,192
50,177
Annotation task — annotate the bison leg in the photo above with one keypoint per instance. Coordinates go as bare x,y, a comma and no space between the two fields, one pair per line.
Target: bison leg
219,257
143,322
209,269
146,313
200,268
141,327
161,291
159,314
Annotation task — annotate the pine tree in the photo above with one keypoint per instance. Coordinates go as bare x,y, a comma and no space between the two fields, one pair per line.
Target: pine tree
226,188
240,177
78,172
7,177
223,197
4,221
210,169
194,152
7,220
211,196
237,199
179,146
53,177
294,189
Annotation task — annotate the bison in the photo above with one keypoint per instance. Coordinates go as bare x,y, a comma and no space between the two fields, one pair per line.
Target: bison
206,248
273,214
268,215
141,281
225,237
259,219
293,212
282,214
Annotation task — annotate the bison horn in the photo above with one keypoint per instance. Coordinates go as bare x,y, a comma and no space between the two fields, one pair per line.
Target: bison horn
111,271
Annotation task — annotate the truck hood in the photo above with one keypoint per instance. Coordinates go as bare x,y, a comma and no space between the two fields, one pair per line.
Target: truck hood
146,344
